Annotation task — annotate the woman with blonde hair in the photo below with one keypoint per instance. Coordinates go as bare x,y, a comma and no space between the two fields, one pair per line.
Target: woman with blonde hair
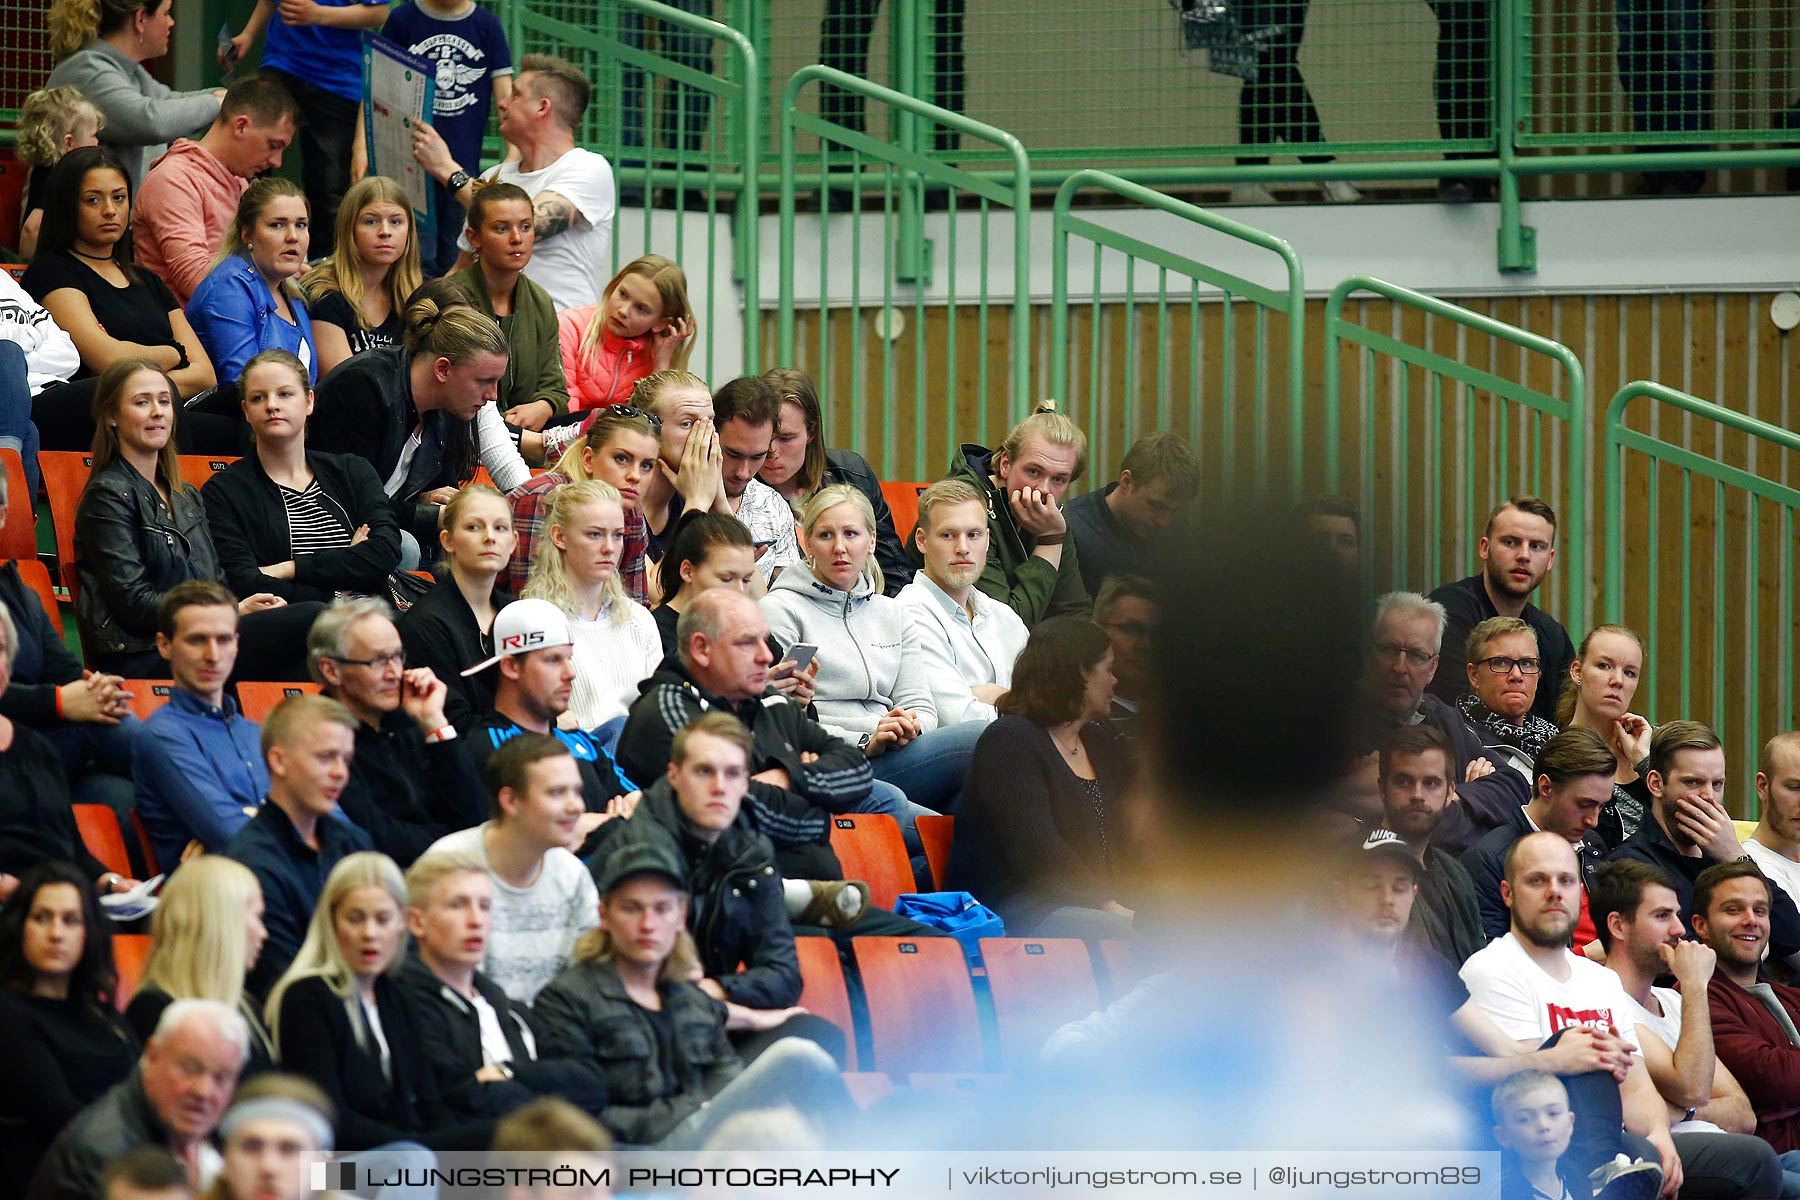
251,301
52,122
359,292
451,626
617,646
1603,680
339,1020
205,937
643,324
620,448
102,46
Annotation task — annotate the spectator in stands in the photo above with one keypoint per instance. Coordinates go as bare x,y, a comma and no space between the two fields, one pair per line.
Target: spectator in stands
1128,607
474,68
172,1099
1504,673
451,625
801,773
543,897
1335,525
66,1044
571,189
482,1053
1517,550
292,522
1689,828
872,689
737,906
341,1021
1032,565
500,232
298,835
1731,912
412,780
358,294
616,645
554,1127
101,47
1403,649
1533,988
84,276
799,465
1126,527
205,936
420,412
147,1173
670,1089
1274,103
619,448
36,823
1710,1118
271,1135
52,122
533,686
251,300
1568,791
1041,837
189,199
36,359
691,465
708,550
198,764
966,641
316,52
1416,789
744,424
1775,845
1602,682
642,325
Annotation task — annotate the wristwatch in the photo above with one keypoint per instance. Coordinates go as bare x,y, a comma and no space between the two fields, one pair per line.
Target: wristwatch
505,1070
459,179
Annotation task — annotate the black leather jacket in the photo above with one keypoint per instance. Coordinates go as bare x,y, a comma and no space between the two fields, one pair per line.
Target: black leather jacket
130,548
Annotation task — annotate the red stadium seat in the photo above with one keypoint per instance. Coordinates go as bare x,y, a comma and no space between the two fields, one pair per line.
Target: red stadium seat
903,501
99,828
143,837
37,577
196,469
1123,972
921,1005
258,700
868,1088
148,695
822,990
65,474
130,952
937,831
870,848
18,533
1038,985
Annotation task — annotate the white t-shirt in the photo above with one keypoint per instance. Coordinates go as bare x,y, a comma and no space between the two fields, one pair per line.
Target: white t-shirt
493,1038
1667,1030
574,265
610,662
1528,1004
535,928
1784,873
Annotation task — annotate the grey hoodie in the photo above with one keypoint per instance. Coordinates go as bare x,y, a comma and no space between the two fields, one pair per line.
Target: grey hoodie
867,663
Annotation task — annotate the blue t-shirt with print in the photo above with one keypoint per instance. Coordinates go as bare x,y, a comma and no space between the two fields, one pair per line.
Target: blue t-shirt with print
468,51
319,54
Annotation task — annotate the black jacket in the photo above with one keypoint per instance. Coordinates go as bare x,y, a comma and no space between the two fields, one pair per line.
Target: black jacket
780,733
250,530
1446,916
1467,604
847,466
119,1121
586,1013
449,1033
1650,844
1486,859
130,548
405,794
41,662
736,910
440,632
1487,803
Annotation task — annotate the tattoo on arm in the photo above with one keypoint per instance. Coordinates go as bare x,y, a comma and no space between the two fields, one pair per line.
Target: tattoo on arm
552,215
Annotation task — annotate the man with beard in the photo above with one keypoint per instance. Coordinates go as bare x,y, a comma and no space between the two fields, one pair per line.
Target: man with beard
1775,846
1127,607
1415,792
1534,989
1517,550
1710,1118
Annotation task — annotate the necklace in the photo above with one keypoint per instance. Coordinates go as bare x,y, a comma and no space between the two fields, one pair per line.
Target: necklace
91,257
1075,751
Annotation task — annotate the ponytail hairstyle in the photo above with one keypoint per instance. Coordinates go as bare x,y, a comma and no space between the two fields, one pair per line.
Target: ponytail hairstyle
608,424
441,321
670,282
796,387
46,118
549,579
696,536
75,23
258,196
342,271
828,498
1571,687
1053,427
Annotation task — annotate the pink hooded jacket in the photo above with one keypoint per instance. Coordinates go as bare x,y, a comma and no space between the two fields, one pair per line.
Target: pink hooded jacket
605,376
182,212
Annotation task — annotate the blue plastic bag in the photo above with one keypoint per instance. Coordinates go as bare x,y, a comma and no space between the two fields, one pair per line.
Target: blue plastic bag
958,914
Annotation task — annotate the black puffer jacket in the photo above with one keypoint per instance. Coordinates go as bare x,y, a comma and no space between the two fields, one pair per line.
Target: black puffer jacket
130,548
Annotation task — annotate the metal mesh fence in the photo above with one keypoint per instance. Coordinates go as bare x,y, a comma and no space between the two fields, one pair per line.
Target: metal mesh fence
24,54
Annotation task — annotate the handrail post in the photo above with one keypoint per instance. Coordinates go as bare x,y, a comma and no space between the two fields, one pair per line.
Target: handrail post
912,254
1517,250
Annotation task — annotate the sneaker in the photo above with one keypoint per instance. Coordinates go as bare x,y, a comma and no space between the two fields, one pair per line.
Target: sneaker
1340,191
1252,193
837,903
1626,1179
1454,191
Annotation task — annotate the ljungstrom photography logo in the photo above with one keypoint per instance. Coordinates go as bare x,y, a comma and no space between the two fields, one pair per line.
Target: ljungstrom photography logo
334,1177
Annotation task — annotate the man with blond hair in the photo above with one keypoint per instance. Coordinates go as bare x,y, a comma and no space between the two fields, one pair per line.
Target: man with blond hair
967,639
1122,528
1775,846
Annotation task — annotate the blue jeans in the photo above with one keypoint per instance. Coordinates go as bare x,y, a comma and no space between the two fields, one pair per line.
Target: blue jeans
930,768
16,430
1790,1175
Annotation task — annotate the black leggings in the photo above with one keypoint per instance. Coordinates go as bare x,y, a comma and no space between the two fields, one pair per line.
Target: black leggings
271,647
1276,105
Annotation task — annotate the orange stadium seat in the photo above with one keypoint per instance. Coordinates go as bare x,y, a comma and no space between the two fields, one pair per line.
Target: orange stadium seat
903,501
868,1088
139,831
196,469
937,831
130,952
1038,985
18,533
148,695
870,848
36,576
921,1005
65,474
258,700
822,990
99,828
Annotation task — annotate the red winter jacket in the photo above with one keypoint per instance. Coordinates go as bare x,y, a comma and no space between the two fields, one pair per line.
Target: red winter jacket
605,375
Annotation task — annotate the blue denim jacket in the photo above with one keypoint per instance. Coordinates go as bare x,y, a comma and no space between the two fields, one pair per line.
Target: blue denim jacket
233,313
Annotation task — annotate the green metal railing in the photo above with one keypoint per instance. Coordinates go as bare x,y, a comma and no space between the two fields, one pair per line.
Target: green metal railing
1169,317
1701,561
1440,440
684,140
884,186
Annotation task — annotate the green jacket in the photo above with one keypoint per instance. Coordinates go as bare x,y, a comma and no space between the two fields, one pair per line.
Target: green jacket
534,370
1015,576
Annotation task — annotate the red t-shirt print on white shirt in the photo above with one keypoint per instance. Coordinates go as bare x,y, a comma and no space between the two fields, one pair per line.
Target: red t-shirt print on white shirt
1530,1005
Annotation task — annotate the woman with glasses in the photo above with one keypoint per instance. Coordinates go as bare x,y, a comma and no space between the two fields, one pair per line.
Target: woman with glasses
1504,672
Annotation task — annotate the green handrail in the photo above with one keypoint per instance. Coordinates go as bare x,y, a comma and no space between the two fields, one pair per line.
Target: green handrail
899,208
1441,471
1289,301
1744,679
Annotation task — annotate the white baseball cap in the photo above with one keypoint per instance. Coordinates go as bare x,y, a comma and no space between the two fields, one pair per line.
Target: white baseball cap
524,626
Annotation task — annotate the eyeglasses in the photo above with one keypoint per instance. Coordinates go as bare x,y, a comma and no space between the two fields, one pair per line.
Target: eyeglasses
1386,652
1505,666
380,662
